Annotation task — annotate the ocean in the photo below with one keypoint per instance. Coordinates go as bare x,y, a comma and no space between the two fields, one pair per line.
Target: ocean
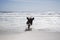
16,21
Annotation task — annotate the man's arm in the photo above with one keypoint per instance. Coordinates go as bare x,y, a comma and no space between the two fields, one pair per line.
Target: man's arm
27,17
33,18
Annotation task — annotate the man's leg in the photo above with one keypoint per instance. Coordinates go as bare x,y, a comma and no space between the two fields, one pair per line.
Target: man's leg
28,26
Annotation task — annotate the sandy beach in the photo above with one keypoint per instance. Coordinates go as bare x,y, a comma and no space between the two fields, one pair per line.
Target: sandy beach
31,35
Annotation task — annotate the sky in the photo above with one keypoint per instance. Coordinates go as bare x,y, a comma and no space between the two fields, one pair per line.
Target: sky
29,5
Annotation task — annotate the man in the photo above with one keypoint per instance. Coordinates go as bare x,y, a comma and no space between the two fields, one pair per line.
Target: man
29,21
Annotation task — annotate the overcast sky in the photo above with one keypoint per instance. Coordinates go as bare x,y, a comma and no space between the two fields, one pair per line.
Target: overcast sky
29,5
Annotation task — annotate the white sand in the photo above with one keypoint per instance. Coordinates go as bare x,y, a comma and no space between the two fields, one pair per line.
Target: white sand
32,35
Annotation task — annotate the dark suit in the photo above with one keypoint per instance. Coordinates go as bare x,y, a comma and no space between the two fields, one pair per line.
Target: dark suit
30,20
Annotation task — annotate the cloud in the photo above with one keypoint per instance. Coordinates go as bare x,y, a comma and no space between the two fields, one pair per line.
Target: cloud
22,0
31,0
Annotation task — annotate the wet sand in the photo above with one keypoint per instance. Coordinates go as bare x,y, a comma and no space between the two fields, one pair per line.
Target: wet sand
31,35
